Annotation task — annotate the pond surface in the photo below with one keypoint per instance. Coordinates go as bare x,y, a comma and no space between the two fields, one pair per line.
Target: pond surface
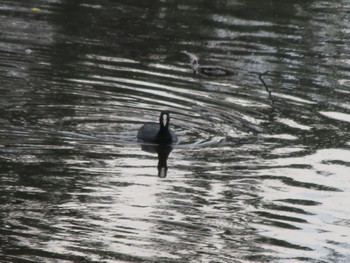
254,178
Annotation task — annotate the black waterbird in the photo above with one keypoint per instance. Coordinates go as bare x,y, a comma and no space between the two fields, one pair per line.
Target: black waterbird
207,70
158,132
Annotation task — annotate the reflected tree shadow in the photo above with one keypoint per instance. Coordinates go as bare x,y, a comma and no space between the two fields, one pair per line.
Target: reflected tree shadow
163,151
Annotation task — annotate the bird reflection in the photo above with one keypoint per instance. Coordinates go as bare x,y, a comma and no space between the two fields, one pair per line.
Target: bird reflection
163,151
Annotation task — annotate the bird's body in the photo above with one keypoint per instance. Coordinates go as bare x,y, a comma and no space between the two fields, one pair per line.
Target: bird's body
157,132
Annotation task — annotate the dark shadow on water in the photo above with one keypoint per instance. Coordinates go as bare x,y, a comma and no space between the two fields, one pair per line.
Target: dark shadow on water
163,151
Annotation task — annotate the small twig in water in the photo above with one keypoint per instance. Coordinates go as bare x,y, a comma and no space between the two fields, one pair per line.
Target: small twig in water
265,85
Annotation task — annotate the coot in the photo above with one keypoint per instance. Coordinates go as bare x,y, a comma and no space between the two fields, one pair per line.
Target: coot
157,132
208,71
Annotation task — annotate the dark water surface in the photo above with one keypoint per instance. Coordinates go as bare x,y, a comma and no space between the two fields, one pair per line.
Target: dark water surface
250,181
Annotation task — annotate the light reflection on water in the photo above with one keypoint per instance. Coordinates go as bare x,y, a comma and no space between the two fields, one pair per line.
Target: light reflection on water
250,181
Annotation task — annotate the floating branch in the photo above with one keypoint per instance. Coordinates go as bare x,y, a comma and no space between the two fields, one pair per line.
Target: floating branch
265,85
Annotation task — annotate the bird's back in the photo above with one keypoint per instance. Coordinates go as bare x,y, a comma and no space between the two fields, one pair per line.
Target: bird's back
148,132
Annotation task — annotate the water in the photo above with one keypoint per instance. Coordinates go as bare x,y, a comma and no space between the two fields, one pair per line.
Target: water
253,179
